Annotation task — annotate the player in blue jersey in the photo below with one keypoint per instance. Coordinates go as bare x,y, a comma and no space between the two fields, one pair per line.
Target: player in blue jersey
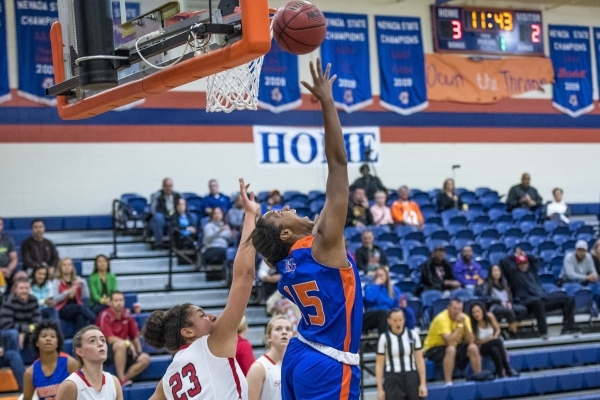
52,367
322,362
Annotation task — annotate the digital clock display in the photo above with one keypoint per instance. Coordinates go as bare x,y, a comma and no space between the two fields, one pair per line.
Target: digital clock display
487,30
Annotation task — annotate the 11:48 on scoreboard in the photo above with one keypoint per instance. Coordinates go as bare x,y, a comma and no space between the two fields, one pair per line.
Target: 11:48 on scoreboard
487,30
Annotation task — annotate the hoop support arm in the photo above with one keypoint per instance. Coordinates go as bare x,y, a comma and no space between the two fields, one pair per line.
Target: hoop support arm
255,42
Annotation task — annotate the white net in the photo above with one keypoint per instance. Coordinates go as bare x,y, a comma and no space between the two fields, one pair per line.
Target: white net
234,89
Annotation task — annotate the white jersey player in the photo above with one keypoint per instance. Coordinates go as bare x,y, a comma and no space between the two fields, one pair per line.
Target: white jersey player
264,376
90,382
204,366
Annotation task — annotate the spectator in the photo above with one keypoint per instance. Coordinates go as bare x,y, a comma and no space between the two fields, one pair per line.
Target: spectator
214,199
184,224
436,273
405,211
523,195
380,297
8,258
20,311
10,356
359,214
162,206
468,271
450,341
269,278
51,367
235,217
102,284
558,210
521,271
369,256
244,354
274,202
447,198
487,332
264,377
498,295
369,183
123,339
217,237
596,256
382,215
38,251
43,290
578,266
399,364
69,291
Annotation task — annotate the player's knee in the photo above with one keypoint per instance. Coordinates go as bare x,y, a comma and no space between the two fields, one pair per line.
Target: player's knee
450,351
144,359
119,346
473,350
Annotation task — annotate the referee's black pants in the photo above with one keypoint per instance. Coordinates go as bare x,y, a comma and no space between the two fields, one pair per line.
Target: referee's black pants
401,385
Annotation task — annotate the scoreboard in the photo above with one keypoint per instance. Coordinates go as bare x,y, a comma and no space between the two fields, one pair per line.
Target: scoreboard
487,31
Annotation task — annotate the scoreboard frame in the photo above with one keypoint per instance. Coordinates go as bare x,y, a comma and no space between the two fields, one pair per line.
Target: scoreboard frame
464,30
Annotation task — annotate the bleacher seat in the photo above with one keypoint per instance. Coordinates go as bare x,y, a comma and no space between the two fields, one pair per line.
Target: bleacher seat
438,306
463,294
531,217
550,287
465,234
478,228
519,212
502,227
480,191
485,243
496,257
316,195
416,306
428,229
415,236
262,196
525,246
434,220
447,214
588,237
433,193
475,210
547,255
407,286
419,250
400,269
352,246
403,230
76,223
316,206
485,264
288,194
546,277
497,248
527,226
468,198
584,302
388,237
440,235
428,211
416,260
421,198
567,245
350,231
495,213
457,220
460,243
394,252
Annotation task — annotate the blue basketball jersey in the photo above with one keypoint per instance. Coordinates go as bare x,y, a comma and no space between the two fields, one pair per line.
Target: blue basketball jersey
330,299
46,387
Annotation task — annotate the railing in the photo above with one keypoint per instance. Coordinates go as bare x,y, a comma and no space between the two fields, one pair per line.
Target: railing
185,254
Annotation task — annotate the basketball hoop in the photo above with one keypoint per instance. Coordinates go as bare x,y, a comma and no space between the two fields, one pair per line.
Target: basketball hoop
235,88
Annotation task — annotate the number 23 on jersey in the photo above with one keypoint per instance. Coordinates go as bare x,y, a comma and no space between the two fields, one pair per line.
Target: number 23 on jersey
176,381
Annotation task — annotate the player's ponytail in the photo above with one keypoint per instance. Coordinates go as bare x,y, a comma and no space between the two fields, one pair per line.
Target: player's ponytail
163,329
267,241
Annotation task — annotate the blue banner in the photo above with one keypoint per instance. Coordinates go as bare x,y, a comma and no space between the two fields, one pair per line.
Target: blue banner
4,88
571,59
597,47
279,87
36,72
346,47
401,64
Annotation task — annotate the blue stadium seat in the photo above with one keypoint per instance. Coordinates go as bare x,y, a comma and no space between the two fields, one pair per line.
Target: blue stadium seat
388,237
415,261
352,246
502,227
527,226
459,220
584,302
550,287
429,296
298,198
447,214
567,245
433,193
407,286
440,235
583,228
394,252
438,306
195,203
76,223
262,196
419,250
525,246
490,389
480,191
432,244
403,230
350,231
497,248
460,243
513,232
485,264
379,229
585,236
550,225
517,213
428,229
490,233
495,258
556,270
536,240
485,243
428,210
547,255
569,381
316,195
543,384
413,192
463,294
479,228
560,230
187,195
100,222
482,219
139,391
546,277
531,217
421,198
451,252
357,238
288,194
538,231
511,241
416,306
434,220
466,390
400,269
518,386
465,234
547,245
468,198
316,206
496,213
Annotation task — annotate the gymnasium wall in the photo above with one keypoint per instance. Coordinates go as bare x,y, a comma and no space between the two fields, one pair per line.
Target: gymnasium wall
51,167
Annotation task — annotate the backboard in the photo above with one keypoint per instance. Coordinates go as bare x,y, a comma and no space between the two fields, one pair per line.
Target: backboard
108,54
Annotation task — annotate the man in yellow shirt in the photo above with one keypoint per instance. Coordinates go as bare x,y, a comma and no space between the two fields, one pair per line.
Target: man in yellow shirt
450,341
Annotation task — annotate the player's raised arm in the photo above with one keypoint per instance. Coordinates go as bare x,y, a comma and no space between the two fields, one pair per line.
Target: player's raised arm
328,247
223,338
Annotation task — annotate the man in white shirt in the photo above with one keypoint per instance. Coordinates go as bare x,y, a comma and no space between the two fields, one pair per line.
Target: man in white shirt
579,265
558,210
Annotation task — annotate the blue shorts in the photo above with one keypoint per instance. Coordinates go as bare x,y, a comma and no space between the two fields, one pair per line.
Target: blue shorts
308,374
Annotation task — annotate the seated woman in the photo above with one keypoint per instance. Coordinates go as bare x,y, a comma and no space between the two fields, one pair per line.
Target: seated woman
102,284
43,290
51,367
380,297
69,292
382,215
447,198
486,331
217,237
497,294
185,225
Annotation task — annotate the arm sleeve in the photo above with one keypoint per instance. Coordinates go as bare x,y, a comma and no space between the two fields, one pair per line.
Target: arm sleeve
104,325
58,296
361,259
417,340
7,320
369,216
26,255
459,273
37,315
512,201
468,323
95,291
418,212
211,231
85,291
54,255
382,344
397,213
371,294
590,268
538,199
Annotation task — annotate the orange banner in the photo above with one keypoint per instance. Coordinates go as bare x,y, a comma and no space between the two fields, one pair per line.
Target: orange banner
455,78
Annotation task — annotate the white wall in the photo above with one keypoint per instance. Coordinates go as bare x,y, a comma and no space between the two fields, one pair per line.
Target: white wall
71,179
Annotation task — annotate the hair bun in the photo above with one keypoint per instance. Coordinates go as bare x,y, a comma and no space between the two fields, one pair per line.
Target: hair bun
154,330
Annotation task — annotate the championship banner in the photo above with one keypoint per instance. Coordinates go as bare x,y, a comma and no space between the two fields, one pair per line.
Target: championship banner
571,58
597,47
279,87
298,147
346,48
36,72
4,88
401,64
459,79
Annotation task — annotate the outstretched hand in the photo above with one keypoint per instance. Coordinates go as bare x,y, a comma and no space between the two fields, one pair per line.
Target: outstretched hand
248,202
322,83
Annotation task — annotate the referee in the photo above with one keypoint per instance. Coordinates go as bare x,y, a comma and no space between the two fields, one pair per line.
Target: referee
400,368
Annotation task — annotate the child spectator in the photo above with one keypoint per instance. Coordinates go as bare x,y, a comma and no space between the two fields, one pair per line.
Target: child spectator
43,290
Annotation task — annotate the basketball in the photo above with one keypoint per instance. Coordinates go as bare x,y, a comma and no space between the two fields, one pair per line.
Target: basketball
299,27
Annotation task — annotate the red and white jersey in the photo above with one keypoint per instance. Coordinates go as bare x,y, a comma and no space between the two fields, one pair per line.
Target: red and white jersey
86,392
196,374
271,389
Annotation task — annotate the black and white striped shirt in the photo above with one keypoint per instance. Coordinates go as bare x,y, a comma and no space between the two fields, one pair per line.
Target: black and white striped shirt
399,350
